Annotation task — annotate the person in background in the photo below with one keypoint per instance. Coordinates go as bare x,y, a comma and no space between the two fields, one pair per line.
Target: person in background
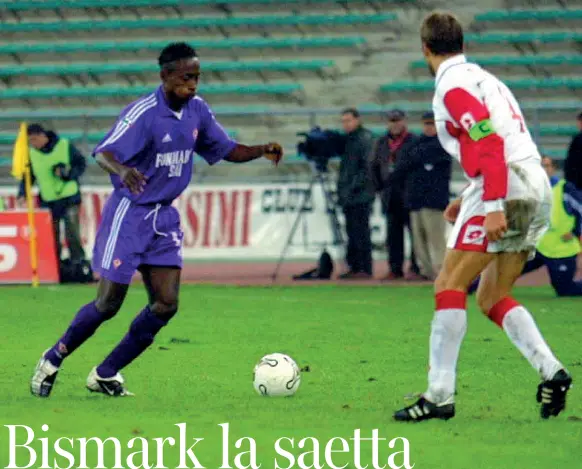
573,163
426,173
356,195
391,149
559,248
56,166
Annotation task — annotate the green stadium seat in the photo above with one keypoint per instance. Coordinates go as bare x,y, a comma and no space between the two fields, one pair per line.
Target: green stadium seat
523,83
130,91
91,137
526,60
197,22
24,5
521,38
529,15
132,46
151,67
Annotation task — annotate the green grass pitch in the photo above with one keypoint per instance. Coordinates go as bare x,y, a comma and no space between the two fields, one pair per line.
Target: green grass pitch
366,347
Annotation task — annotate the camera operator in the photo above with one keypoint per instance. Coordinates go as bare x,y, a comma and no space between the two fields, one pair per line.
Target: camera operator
392,148
56,168
356,195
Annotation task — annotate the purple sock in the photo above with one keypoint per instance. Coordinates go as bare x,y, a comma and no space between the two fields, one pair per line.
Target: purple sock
140,336
84,325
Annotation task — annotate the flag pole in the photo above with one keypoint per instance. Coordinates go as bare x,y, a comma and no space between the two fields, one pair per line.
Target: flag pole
31,226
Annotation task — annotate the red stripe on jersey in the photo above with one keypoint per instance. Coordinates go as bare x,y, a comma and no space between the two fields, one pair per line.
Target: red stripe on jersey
485,157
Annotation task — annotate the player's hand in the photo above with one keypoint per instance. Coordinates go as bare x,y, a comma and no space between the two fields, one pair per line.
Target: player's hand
567,237
274,152
452,211
495,225
132,179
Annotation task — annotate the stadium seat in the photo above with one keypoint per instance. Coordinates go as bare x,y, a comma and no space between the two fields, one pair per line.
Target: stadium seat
51,4
197,22
151,67
526,60
131,91
521,38
91,137
523,83
542,131
528,15
134,46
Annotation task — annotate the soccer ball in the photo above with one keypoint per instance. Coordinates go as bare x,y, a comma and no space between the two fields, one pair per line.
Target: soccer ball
276,375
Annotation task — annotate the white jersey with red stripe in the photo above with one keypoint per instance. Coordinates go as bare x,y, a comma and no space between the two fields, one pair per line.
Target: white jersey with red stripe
466,95
480,123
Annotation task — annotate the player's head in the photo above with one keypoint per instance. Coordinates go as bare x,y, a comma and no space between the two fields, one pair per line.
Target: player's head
179,71
579,121
37,136
428,125
397,122
549,166
441,34
350,119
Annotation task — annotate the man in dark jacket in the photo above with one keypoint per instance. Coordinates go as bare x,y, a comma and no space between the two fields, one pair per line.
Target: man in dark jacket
390,150
56,166
427,172
573,163
356,195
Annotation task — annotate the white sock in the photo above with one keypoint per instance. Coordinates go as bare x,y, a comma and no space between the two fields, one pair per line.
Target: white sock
521,329
447,332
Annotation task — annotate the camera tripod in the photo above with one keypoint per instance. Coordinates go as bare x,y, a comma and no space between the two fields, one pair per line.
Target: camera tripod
319,177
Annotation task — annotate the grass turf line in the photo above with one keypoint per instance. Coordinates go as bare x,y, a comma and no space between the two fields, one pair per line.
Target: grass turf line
366,348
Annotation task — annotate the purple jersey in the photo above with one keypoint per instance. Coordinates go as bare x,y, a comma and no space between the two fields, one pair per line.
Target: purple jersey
160,143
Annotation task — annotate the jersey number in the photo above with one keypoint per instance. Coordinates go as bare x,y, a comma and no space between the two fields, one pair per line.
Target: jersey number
514,114
175,170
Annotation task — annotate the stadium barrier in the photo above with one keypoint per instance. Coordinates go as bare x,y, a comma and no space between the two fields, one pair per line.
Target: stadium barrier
15,266
241,222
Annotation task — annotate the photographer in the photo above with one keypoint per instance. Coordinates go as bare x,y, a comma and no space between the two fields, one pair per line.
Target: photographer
356,195
56,166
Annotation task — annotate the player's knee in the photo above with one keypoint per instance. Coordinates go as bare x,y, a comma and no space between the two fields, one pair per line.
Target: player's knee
165,309
108,306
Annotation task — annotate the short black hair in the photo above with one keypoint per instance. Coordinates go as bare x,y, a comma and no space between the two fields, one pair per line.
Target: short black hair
579,117
35,129
442,33
175,51
353,111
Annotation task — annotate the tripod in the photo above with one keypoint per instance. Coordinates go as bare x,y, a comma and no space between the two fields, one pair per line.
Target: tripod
320,176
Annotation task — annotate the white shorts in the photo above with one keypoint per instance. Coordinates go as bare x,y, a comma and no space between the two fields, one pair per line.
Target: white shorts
527,208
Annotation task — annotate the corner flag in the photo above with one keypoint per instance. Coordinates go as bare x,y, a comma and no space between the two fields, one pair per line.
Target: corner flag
21,169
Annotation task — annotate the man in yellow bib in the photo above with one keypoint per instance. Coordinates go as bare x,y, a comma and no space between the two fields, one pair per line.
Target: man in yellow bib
56,168
559,248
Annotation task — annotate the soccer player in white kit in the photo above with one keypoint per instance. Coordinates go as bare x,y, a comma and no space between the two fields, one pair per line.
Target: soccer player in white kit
498,220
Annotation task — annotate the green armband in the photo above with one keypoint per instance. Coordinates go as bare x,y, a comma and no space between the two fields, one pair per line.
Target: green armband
481,130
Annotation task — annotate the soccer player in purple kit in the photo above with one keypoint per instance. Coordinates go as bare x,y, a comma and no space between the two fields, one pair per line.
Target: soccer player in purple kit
149,155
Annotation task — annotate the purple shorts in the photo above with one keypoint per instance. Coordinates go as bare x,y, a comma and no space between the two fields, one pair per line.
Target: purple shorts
130,235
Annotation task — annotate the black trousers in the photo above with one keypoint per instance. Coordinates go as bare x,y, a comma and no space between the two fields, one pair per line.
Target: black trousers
71,220
359,249
398,221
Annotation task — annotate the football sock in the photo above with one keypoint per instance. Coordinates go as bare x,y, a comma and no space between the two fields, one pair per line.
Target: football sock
140,336
521,329
448,329
83,326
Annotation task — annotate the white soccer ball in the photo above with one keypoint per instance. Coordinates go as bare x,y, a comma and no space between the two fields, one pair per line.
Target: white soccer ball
276,374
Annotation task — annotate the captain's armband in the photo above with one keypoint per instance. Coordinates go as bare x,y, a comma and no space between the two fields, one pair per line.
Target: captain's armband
481,130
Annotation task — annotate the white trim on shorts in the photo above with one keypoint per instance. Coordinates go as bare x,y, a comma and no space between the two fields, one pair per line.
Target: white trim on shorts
118,217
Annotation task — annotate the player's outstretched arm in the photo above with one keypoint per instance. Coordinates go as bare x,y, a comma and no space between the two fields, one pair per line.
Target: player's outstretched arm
131,177
243,153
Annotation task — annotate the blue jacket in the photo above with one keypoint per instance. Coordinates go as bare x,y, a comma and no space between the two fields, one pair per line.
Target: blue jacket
572,202
426,174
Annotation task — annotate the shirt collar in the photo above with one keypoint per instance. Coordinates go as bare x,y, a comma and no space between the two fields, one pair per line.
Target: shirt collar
450,62
163,107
